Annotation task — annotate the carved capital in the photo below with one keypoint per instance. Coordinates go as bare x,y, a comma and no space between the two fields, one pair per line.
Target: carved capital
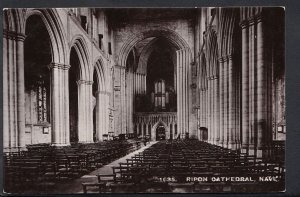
252,20
259,18
58,66
14,35
244,24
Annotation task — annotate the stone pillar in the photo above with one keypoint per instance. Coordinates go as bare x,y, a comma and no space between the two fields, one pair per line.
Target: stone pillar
99,114
208,110
89,104
252,88
123,104
106,112
6,128
13,90
213,110
102,115
82,138
225,103
217,110
20,89
231,105
65,91
119,100
183,63
183,96
221,100
213,138
12,93
179,91
263,131
59,112
85,112
245,88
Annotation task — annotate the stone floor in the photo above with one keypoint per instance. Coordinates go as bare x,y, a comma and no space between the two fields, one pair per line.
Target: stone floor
74,186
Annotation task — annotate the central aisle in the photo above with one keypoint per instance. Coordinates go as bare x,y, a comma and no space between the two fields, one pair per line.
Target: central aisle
75,187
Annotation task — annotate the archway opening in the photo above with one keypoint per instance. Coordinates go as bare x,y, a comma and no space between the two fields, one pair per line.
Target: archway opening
160,132
73,94
37,57
155,57
155,86
161,76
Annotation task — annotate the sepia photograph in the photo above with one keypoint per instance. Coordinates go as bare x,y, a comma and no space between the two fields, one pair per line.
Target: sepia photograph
144,100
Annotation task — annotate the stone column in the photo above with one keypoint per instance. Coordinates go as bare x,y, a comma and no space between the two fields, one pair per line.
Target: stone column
85,118
221,100
6,128
65,91
20,89
245,88
252,88
208,109
13,123
213,97
89,105
183,128
123,104
107,112
131,104
59,119
13,90
99,114
262,97
231,105
225,102
217,110
179,91
81,112
183,63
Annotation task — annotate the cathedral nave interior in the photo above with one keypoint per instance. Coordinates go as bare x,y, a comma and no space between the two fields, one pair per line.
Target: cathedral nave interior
85,87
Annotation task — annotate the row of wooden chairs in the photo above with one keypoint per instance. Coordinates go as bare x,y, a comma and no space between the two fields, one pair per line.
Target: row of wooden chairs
172,162
35,168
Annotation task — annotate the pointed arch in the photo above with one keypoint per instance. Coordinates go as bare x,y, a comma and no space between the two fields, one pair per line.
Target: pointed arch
80,46
100,72
55,29
228,24
172,36
212,53
153,130
202,72
146,52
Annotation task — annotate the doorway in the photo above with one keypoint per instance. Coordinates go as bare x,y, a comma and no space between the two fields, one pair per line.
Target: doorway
160,133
